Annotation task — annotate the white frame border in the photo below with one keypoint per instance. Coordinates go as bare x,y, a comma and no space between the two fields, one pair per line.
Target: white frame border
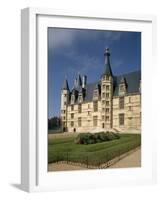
29,143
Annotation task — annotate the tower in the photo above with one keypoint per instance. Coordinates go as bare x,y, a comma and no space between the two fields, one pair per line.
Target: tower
107,92
65,95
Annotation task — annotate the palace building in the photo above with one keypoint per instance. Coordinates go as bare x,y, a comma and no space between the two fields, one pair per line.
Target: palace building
112,103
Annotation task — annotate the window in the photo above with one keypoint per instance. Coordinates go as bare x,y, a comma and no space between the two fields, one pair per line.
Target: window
72,107
65,103
107,103
130,108
94,120
122,88
107,87
106,77
80,98
103,117
103,102
95,94
121,102
88,112
107,110
79,108
95,106
103,87
103,109
121,119
63,111
107,118
107,95
72,123
88,106
103,95
65,95
129,99
79,122
72,99
72,115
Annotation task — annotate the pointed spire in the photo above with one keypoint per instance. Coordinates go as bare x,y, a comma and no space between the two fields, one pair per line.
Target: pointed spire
107,66
65,85
79,80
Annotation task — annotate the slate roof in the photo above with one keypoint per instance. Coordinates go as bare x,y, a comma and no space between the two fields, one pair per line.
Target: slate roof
89,90
132,80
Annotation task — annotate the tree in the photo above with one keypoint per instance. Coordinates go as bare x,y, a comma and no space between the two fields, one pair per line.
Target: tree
54,123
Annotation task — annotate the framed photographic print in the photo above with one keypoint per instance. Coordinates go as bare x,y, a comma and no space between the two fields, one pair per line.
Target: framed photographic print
86,114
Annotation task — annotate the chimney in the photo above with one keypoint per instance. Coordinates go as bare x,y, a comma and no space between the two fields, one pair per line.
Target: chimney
75,83
84,81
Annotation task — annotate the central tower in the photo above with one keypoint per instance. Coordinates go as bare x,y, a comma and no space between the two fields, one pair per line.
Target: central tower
107,92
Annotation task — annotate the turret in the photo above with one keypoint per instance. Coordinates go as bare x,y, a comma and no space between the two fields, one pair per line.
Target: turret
65,96
107,92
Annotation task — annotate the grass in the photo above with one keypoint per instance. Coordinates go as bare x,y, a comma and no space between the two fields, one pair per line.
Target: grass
64,149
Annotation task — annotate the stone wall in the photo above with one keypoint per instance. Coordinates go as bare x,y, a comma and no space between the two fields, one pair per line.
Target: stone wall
86,116
131,111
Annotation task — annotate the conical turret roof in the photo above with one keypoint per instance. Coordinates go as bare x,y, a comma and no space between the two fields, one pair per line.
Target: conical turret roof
107,67
65,85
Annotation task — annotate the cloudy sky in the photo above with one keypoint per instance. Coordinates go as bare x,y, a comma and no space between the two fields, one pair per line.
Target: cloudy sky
73,51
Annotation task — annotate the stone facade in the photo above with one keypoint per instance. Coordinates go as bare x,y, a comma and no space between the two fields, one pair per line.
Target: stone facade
111,104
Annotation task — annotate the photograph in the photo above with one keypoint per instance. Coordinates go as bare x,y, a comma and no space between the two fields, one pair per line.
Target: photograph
94,99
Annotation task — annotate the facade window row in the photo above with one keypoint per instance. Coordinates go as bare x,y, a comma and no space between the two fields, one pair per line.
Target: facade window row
95,120
105,87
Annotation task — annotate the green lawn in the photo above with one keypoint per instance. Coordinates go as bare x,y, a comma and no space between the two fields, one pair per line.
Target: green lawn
64,149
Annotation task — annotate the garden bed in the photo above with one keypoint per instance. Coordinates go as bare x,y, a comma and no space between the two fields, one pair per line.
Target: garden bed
65,149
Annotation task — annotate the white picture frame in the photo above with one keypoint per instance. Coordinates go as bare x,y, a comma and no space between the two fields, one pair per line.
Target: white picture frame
34,176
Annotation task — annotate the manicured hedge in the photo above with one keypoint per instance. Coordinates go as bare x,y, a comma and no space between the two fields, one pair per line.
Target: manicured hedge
89,138
65,149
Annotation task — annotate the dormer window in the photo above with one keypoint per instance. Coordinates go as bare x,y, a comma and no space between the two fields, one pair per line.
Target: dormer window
122,87
80,98
95,94
72,99
106,78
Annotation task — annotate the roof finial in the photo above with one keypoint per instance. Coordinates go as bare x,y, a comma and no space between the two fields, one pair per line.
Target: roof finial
107,54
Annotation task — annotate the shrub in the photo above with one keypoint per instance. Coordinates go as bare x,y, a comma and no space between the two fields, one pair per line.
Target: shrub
88,138
85,138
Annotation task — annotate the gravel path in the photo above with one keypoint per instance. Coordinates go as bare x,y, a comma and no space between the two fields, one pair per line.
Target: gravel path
132,160
64,167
